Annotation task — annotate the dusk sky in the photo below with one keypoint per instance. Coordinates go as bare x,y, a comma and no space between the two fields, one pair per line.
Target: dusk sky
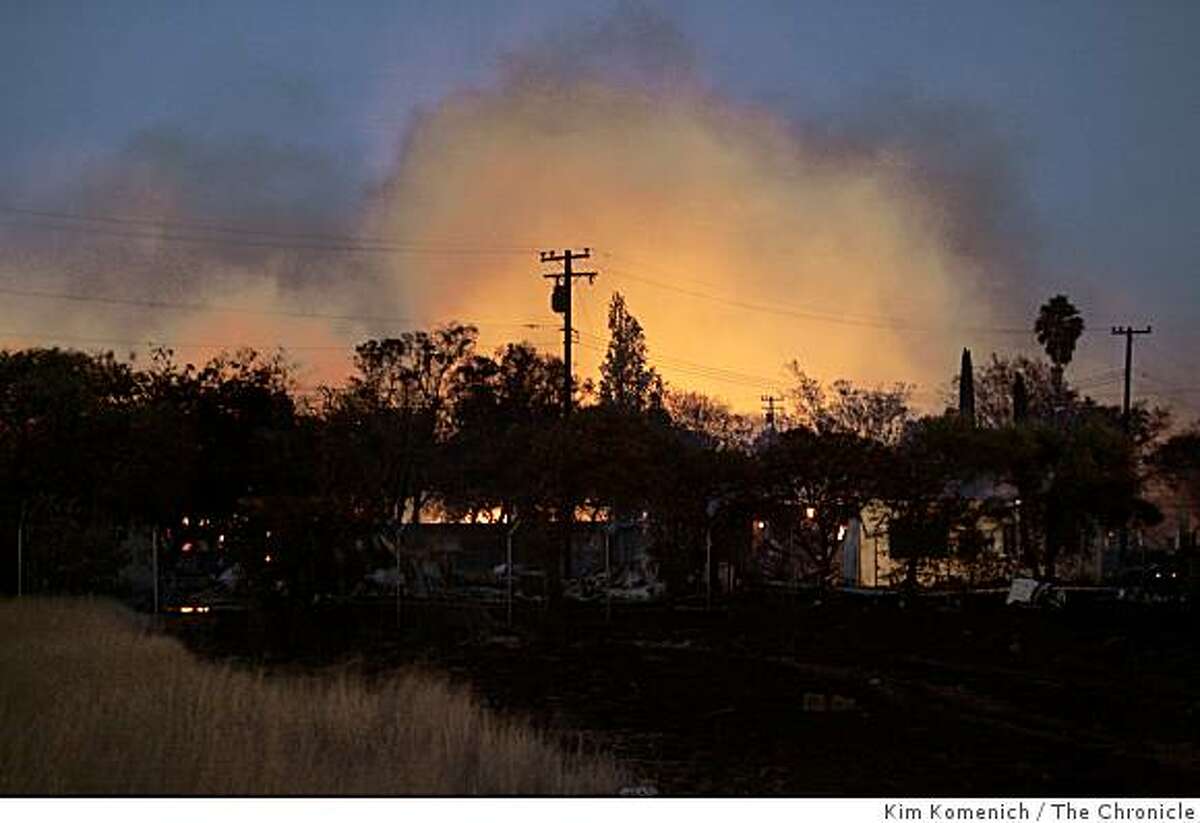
1059,137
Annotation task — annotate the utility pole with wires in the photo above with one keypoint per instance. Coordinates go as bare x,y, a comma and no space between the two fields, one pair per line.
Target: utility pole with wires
560,302
1128,332
1126,417
769,401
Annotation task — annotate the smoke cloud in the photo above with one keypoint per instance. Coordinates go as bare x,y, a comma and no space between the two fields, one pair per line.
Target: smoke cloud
871,245
153,245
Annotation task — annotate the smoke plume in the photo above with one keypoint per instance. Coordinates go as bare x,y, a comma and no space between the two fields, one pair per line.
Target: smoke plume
872,244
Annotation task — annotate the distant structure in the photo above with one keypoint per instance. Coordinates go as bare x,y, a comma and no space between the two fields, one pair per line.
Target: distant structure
771,422
966,389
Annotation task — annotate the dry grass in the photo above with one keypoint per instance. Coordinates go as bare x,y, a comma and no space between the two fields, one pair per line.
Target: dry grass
91,703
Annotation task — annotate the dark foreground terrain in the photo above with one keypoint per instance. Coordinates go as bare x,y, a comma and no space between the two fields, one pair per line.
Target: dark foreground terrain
845,697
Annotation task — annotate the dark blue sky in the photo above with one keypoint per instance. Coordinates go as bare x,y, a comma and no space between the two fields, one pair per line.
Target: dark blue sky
1096,104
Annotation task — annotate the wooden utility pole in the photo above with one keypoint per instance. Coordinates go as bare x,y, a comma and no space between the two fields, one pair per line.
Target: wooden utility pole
708,567
154,564
560,302
608,533
769,401
1126,420
21,552
508,568
399,573
1128,332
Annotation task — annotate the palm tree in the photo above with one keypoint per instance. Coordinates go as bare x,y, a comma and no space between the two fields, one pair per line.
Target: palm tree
1058,328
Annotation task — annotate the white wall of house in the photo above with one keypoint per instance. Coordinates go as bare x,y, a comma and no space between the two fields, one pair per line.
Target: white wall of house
871,565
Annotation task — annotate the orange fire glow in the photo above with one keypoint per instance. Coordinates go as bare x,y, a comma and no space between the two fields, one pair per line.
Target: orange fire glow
684,200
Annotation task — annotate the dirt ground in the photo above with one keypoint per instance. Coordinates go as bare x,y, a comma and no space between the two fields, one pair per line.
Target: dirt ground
840,698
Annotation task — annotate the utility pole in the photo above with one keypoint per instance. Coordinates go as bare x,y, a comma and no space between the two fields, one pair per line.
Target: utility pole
508,568
710,510
769,410
1126,419
21,551
399,576
708,592
1128,332
609,529
560,302
154,564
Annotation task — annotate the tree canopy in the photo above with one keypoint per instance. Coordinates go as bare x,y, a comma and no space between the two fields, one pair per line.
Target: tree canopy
92,447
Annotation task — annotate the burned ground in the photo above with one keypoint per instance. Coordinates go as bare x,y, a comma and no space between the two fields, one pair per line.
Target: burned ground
837,698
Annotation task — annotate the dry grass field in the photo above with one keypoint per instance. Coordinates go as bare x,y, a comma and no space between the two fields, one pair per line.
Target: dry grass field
92,703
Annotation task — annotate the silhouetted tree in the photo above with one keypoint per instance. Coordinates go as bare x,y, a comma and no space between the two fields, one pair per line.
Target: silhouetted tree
878,414
932,491
397,412
712,422
1020,399
966,388
1058,327
813,483
1177,461
626,380
63,435
1075,478
995,388
503,407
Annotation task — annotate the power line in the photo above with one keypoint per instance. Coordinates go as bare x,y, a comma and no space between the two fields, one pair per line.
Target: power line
350,243
587,315
150,342
68,221
117,341
699,370
1097,380
825,313
695,369
197,307
659,357
210,307
1175,361
350,248
691,369
334,242
643,264
674,363
880,322
364,244
1173,388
